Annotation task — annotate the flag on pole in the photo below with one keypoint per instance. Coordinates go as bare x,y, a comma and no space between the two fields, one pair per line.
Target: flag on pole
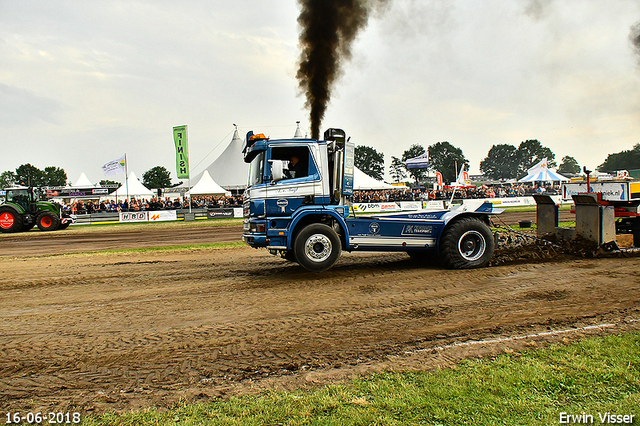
463,177
115,167
180,139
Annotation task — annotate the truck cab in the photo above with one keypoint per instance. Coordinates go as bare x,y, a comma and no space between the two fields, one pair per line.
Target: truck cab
298,204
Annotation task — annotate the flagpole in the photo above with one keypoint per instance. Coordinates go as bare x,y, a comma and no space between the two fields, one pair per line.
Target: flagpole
189,178
126,179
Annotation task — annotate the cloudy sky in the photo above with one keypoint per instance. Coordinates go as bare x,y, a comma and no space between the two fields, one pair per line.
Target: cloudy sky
83,82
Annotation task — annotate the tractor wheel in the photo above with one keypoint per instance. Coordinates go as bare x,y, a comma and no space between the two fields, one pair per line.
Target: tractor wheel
467,243
48,221
63,226
10,220
317,247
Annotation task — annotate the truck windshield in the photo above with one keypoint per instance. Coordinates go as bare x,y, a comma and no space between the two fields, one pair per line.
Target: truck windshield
256,170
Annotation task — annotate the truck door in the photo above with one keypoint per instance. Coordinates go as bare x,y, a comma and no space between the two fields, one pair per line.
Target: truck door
296,186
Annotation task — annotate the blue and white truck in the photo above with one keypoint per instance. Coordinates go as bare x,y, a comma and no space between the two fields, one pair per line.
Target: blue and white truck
297,205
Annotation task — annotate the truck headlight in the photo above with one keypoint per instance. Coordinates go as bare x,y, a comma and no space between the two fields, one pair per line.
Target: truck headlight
257,227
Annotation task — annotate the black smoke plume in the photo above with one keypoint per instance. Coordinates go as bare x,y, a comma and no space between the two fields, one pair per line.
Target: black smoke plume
328,29
634,37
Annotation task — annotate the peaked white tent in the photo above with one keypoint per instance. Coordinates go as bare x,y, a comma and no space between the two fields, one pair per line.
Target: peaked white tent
207,186
362,181
541,173
82,182
229,170
136,189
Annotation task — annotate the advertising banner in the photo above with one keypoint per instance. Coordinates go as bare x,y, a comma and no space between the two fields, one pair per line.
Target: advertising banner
349,164
129,217
180,139
163,216
377,207
219,213
433,205
92,193
410,205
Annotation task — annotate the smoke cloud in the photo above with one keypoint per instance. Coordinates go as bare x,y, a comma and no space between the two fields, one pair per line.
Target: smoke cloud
634,37
328,29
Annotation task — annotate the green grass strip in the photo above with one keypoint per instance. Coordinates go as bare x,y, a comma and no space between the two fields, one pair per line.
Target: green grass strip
593,376
172,248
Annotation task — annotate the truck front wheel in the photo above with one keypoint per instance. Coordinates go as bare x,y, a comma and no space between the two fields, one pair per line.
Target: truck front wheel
10,220
467,244
317,247
48,221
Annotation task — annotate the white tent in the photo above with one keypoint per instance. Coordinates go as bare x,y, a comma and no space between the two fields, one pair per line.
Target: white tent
136,189
82,182
541,173
207,186
362,181
229,170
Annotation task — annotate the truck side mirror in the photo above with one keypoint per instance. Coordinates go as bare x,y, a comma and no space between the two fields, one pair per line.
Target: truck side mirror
277,170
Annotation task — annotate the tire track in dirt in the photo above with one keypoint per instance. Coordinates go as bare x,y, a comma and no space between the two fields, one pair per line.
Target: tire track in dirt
117,332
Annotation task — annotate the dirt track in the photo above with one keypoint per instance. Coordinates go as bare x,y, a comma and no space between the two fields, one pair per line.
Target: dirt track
125,331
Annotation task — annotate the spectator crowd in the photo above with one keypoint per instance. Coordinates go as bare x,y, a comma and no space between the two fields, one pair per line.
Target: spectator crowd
153,204
371,196
422,194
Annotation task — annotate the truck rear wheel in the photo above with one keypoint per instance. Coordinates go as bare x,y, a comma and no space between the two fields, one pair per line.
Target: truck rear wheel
467,244
317,247
10,220
48,221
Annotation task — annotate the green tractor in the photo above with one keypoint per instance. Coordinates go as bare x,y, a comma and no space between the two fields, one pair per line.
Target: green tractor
21,209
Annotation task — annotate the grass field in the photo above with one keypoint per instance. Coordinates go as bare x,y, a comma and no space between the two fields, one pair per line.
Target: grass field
591,377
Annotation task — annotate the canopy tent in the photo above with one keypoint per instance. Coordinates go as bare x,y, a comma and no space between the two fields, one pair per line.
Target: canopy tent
136,189
362,181
229,170
541,173
419,162
207,186
82,182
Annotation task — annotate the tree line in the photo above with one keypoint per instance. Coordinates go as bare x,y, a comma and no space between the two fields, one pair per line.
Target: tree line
503,161
29,175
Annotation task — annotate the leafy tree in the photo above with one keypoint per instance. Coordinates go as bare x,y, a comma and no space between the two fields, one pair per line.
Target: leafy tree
624,160
29,175
414,151
7,179
369,161
531,152
157,177
569,165
104,182
54,176
501,162
446,158
397,169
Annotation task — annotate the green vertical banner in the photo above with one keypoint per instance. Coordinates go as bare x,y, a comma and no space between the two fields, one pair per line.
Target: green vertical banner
180,139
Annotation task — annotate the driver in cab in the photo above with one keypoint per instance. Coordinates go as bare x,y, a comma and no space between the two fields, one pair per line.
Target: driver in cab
296,169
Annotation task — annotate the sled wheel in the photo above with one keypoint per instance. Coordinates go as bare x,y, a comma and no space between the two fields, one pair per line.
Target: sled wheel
48,221
317,247
10,221
467,243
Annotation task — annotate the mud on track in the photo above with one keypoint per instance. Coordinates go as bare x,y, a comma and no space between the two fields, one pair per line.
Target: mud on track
117,332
